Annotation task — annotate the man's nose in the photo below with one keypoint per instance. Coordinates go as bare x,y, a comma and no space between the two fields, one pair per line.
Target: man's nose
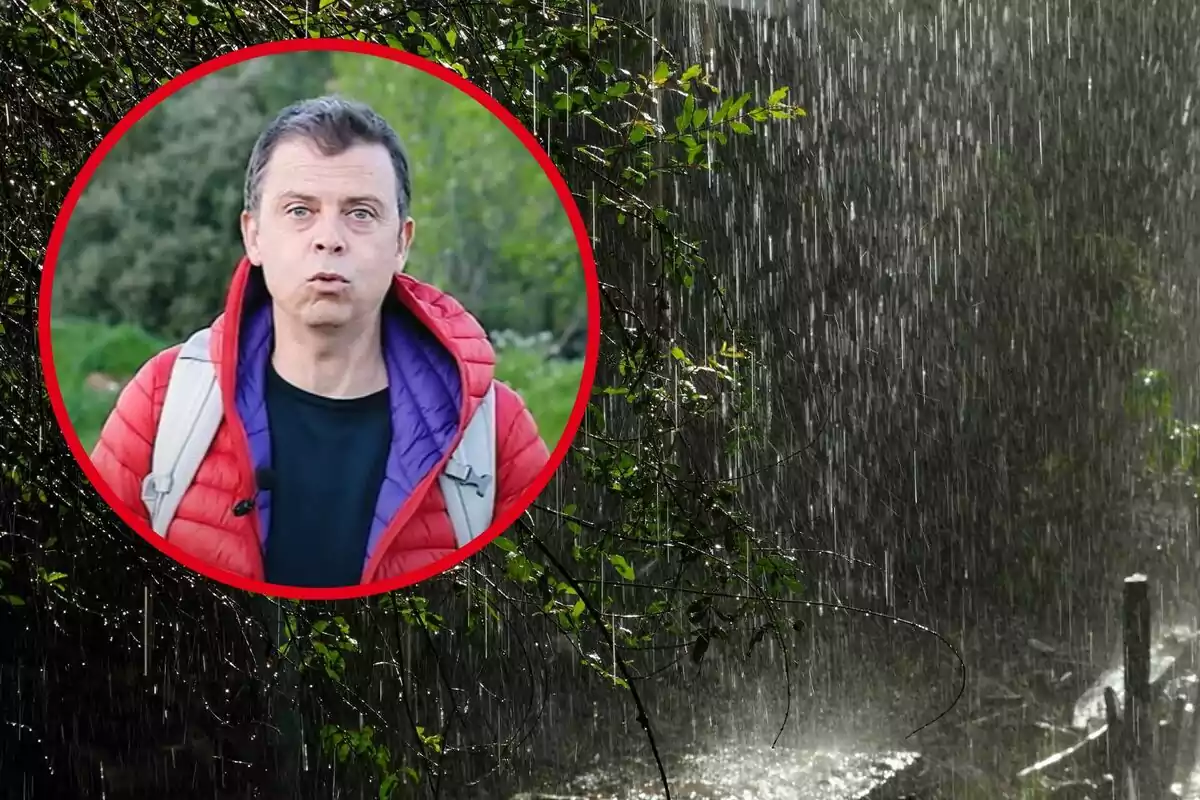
328,237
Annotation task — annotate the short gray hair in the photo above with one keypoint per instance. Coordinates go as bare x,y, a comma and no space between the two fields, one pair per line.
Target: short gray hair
333,124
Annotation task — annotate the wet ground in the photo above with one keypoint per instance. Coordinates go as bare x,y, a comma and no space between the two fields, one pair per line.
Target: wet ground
1031,680
749,773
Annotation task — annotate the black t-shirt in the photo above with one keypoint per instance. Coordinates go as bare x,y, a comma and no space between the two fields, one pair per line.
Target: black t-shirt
328,457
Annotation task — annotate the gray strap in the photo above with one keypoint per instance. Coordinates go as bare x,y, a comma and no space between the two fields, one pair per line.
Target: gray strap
468,481
188,424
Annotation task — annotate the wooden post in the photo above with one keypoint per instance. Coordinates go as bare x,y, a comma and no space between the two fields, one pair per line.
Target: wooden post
1138,726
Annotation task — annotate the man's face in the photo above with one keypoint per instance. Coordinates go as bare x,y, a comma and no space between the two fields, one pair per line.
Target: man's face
327,233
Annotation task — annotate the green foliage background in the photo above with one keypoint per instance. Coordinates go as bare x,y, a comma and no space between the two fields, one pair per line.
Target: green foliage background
154,237
335,681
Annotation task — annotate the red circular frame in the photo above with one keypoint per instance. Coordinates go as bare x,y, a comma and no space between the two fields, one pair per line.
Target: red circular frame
503,521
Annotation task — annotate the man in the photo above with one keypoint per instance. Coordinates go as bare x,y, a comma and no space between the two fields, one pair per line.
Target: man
345,385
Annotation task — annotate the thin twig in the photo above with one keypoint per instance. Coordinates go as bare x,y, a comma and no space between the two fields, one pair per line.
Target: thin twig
643,716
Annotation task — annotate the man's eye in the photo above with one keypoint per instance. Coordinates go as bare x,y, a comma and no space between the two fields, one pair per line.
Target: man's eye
362,214
298,212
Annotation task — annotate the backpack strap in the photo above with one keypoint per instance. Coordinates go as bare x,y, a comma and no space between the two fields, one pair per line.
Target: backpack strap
188,424
469,479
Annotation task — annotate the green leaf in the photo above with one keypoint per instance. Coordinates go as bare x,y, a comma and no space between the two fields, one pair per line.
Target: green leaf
504,544
193,20
661,71
432,41
621,566
451,37
658,607
691,72
415,18
678,354
618,89
521,569
388,785
740,127
699,117
722,111
685,117
592,663
383,757
777,96
13,600
738,104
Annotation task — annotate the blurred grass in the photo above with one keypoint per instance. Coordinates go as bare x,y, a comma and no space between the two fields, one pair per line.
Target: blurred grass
83,348
547,385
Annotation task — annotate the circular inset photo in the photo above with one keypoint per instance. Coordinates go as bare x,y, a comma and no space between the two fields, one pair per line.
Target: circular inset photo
319,319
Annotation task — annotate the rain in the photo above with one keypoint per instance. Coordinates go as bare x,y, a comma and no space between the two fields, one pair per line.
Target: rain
944,270
910,513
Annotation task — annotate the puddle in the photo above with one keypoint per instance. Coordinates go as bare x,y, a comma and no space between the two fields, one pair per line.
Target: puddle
749,773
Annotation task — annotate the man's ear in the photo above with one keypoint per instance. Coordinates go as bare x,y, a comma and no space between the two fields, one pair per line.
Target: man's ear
407,230
250,238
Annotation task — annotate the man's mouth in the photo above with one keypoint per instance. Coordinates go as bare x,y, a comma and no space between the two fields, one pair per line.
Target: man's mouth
328,277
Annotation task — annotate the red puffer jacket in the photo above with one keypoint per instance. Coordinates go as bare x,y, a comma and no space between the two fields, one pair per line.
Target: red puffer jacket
418,530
